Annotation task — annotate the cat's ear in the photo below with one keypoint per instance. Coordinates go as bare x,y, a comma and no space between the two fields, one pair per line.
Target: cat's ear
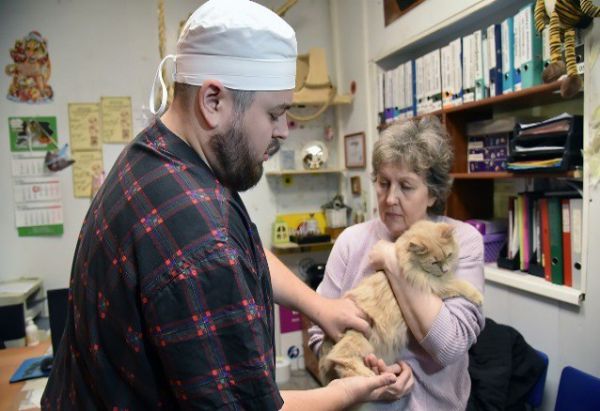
446,231
417,248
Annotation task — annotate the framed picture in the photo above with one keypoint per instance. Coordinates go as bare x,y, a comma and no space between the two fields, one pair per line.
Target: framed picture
355,185
354,150
393,9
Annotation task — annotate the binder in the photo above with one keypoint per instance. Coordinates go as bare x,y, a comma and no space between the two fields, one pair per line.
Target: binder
556,246
420,85
388,97
545,238
468,69
508,54
546,46
478,65
447,76
576,214
381,96
566,239
521,227
485,64
494,43
435,83
413,87
518,46
452,84
530,62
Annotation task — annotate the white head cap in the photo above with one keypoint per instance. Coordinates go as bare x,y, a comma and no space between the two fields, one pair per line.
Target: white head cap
244,45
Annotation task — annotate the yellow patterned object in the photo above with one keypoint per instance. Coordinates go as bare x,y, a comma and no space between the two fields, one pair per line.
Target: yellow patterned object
294,220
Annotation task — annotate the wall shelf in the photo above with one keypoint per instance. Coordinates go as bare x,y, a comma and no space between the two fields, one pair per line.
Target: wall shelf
533,284
571,174
299,172
289,248
542,94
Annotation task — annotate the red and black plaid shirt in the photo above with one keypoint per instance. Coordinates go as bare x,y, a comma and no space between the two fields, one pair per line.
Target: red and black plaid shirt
171,301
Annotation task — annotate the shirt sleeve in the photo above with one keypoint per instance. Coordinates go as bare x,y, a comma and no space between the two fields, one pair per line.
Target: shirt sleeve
208,325
459,321
330,287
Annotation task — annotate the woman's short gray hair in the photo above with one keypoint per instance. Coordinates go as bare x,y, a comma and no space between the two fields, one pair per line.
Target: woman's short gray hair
422,146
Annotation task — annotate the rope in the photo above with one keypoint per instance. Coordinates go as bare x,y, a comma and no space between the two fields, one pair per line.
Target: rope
316,114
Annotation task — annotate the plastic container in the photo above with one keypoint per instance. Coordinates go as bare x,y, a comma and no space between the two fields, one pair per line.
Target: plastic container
283,370
31,333
493,244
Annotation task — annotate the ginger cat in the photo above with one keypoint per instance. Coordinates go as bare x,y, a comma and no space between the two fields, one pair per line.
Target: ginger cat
427,254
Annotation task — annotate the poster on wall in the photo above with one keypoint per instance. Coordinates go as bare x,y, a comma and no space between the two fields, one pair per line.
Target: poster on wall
30,70
32,134
88,173
36,190
116,119
84,126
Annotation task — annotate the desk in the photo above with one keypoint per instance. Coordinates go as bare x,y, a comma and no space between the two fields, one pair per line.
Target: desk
10,359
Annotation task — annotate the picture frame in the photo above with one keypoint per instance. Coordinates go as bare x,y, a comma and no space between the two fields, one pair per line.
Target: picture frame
355,185
393,9
354,150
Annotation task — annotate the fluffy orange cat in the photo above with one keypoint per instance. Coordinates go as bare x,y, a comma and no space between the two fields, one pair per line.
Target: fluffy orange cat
427,253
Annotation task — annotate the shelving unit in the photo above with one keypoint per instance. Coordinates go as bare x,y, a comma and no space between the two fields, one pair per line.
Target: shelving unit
300,172
473,193
288,248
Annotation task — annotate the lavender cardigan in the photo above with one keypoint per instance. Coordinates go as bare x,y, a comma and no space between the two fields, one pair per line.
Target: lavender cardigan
440,361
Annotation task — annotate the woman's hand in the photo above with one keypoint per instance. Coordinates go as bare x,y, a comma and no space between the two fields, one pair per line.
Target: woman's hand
337,315
383,257
404,377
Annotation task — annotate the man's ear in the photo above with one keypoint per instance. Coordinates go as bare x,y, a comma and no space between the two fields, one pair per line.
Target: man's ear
210,100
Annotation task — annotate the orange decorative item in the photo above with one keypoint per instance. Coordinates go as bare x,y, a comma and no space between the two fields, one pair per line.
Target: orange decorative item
30,71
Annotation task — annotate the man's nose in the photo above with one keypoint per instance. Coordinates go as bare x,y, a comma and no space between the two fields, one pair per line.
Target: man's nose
281,128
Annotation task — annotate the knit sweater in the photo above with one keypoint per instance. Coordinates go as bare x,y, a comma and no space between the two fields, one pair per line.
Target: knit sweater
440,361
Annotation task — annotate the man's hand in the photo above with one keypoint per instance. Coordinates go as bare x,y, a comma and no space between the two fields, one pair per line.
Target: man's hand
335,316
383,256
404,377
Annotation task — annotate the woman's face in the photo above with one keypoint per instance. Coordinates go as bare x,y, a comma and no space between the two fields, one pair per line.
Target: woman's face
402,197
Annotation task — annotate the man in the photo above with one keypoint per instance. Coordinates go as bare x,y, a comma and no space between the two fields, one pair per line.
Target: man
171,296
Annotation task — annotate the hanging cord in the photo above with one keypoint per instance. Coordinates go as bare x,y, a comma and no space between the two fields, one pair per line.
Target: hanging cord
316,114
166,90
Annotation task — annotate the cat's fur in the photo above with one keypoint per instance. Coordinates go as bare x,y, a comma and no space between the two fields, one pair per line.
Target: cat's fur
427,254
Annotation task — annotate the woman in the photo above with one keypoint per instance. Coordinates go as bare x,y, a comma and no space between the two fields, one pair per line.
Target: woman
411,166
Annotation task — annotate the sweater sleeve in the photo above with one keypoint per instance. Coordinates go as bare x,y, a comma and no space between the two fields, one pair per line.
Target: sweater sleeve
459,321
330,287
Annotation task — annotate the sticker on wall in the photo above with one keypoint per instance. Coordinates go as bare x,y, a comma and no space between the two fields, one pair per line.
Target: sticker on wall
32,134
30,70
116,119
88,170
84,126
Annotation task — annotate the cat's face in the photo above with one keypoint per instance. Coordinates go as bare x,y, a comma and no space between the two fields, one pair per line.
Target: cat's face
432,247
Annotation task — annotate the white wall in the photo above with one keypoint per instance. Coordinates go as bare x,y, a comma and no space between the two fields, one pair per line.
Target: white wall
569,335
109,48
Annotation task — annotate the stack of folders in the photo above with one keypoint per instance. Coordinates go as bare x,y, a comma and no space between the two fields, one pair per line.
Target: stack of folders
551,145
545,236
488,143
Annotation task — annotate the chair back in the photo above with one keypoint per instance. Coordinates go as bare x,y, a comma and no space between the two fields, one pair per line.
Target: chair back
578,391
534,399
12,323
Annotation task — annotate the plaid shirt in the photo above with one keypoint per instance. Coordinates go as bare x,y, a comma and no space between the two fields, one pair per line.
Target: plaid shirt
171,301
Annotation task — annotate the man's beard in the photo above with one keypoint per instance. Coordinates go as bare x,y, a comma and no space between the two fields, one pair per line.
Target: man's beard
237,170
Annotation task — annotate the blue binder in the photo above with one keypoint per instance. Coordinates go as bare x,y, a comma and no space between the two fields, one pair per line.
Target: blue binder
508,56
494,39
